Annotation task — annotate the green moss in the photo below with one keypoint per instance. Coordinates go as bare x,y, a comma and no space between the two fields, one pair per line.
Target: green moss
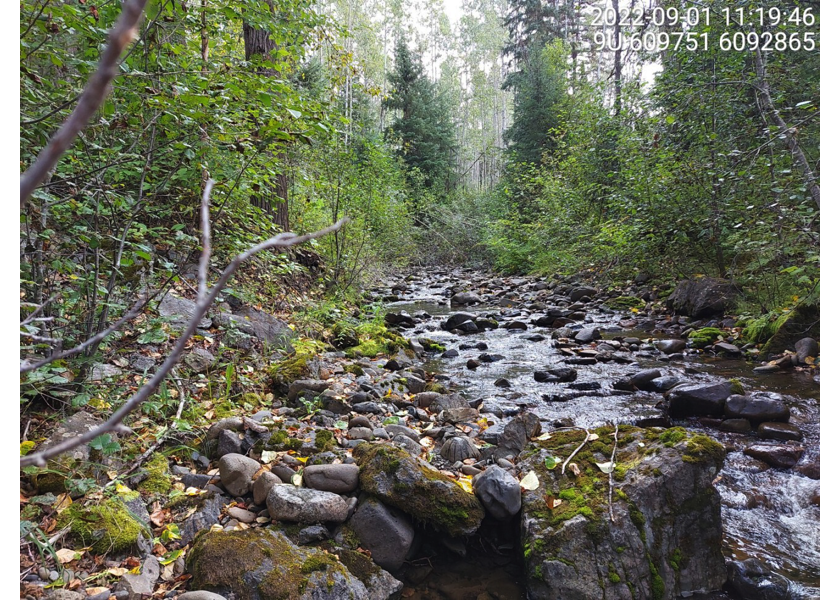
625,302
354,369
737,386
701,448
612,574
672,436
284,441
657,586
226,408
376,340
676,560
158,481
324,440
435,387
106,527
707,335
538,572
320,561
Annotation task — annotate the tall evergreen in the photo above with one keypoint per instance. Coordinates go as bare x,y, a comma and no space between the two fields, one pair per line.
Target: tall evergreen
423,128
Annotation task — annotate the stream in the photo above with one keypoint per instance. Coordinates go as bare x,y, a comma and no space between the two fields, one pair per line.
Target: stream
770,514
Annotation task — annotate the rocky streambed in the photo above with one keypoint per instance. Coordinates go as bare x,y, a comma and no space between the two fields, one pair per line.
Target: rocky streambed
525,439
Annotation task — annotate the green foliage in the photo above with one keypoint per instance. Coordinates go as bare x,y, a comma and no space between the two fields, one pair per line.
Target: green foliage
423,129
707,335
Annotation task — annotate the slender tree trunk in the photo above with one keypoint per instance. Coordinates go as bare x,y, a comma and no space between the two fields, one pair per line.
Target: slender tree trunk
258,43
766,106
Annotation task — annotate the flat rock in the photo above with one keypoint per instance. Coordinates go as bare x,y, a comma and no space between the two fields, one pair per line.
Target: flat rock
779,431
338,479
756,409
142,584
301,505
779,456
701,399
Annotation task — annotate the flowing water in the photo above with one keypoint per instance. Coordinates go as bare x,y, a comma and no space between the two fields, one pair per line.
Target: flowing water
770,514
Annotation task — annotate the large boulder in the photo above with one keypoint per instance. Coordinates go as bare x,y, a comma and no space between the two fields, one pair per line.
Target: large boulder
702,297
418,489
698,399
498,491
263,564
664,540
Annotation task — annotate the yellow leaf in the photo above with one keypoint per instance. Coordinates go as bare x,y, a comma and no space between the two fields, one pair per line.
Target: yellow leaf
62,502
465,481
117,571
26,447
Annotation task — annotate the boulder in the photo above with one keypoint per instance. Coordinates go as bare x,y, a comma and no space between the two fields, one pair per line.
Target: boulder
181,311
753,580
457,319
498,491
287,502
587,335
582,292
263,485
702,297
236,472
756,409
338,479
263,564
465,298
804,320
385,531
664,540
271,331
198,360
415,487
698,399
517,432
197,514
806,348
779,456
779,431
380,584
670,346
642,380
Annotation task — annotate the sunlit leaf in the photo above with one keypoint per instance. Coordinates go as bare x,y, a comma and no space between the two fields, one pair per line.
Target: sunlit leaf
530,481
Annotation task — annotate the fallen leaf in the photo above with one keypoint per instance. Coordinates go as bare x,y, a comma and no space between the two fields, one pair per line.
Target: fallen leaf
117,571
530,481
297,479
574,469
592,437
552,502
544,437
606,467
62,502
66,555
94,591
550,463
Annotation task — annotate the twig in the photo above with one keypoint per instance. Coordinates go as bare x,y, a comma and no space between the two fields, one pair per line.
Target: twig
92,98
282,240
612,468
26,367
582,444
204,261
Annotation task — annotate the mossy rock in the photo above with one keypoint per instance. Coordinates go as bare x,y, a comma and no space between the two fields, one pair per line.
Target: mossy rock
106,527
625,303
801,322
666,511
706,335
158,480
397,478
263,564
378,340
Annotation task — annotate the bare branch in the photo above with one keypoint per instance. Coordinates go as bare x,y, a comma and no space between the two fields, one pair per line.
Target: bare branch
26,367
92,98
204,262
282,240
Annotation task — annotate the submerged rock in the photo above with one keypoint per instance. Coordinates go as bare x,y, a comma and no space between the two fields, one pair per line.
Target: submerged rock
415,487
665,539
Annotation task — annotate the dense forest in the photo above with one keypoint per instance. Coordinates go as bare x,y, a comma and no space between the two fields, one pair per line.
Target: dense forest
616,144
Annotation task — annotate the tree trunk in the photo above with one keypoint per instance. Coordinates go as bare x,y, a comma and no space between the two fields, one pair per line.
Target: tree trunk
766,106
258,43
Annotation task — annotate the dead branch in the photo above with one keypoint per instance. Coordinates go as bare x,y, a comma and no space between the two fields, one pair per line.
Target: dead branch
92,98
282,240
582,444
204,262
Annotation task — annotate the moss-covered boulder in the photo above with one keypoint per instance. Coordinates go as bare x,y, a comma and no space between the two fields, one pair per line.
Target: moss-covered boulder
106,527
263,564
625,303
802,322
664,538
414,486
706,335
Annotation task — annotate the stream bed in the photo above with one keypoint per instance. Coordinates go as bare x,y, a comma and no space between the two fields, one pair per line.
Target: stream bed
771,514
